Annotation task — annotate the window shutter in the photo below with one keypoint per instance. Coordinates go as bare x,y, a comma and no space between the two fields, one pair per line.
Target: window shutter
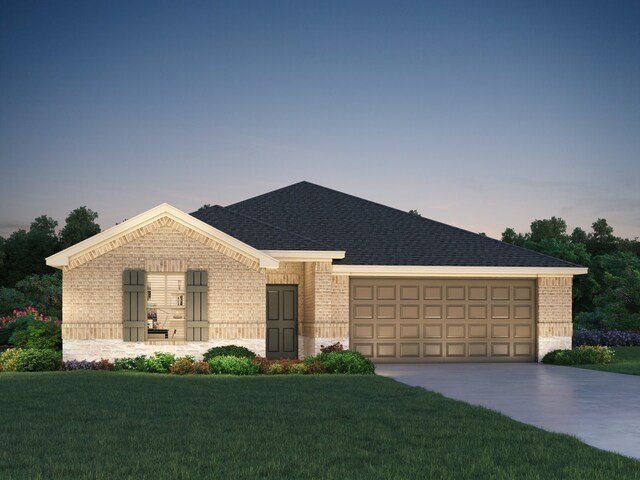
135,313
197,307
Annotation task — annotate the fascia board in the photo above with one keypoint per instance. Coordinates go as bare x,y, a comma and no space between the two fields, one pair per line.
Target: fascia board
305,255
436,271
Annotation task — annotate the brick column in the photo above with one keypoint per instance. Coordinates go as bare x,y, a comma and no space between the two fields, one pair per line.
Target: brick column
554,325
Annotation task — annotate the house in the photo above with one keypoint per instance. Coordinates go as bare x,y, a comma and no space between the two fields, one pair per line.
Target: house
291,270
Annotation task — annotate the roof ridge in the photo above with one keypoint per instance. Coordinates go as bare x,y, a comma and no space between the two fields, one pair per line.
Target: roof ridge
273,226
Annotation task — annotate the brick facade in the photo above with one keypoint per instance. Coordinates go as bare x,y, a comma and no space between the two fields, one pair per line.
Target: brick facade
93,294
554,325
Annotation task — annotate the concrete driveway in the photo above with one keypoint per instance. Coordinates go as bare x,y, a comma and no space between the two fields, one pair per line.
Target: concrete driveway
601,409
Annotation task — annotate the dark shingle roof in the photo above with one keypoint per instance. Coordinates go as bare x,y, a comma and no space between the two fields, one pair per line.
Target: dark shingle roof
370,233
255,232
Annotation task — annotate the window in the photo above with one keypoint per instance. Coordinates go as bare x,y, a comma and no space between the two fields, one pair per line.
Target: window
166,306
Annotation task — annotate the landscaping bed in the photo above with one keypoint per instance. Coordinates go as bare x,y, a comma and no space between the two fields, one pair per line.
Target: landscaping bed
93,424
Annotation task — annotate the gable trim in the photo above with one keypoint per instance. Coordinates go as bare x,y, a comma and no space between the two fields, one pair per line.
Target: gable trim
61,259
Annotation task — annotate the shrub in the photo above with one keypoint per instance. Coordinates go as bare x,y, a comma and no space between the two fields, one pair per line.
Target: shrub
298,368
344,361
608,338
8,359
33,360
262,363
104,364
229,365
158,363
583,355
38,335
188,366
275,368
228,351
130,363
314,367
336,347
47,335
79,365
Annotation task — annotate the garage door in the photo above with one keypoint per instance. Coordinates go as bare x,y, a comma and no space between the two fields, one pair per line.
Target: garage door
430,320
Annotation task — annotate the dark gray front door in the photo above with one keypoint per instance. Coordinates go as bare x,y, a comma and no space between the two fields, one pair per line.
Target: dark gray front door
282,321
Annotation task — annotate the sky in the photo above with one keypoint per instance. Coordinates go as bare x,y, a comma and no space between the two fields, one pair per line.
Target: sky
483,115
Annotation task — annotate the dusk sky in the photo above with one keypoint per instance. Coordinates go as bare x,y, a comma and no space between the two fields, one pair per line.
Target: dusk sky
479,114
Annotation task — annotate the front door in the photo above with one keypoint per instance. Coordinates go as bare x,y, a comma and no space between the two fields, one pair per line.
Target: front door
282,321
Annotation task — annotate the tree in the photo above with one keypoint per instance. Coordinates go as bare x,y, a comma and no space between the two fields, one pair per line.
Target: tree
79,225
601,241
42,242
415,212
578,236
16,250
554,228
510,236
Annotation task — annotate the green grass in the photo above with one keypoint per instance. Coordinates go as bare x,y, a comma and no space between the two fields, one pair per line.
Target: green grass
105,425
626,360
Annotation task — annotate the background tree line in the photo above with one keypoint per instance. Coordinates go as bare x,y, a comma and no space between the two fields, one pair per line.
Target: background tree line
25,279
608,297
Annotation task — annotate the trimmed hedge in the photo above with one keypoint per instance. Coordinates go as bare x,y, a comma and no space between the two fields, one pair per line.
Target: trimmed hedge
584,355
228,351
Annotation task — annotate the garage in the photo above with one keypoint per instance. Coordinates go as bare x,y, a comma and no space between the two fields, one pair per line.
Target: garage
443,320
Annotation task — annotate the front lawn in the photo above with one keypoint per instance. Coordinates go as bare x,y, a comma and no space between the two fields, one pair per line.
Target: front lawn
626,360
107,425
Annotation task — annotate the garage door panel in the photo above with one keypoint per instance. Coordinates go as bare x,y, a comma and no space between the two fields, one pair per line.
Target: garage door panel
455,312
432,331
443,320
386,350
409,292
432,349
410,350
455,293
499,311
523,293
521,312
409,311
386,292
500,330
477,293
478,330
456,349
523,331
363,292
365,349
477,349
410,330
455,331
477,311
386,331
386,311
500,349
363,330
521,349
433,311
363,311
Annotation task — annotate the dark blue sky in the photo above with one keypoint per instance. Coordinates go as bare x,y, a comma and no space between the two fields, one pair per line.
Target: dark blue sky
479,114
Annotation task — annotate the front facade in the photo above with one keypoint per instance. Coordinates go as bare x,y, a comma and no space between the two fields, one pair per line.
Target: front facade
169,281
